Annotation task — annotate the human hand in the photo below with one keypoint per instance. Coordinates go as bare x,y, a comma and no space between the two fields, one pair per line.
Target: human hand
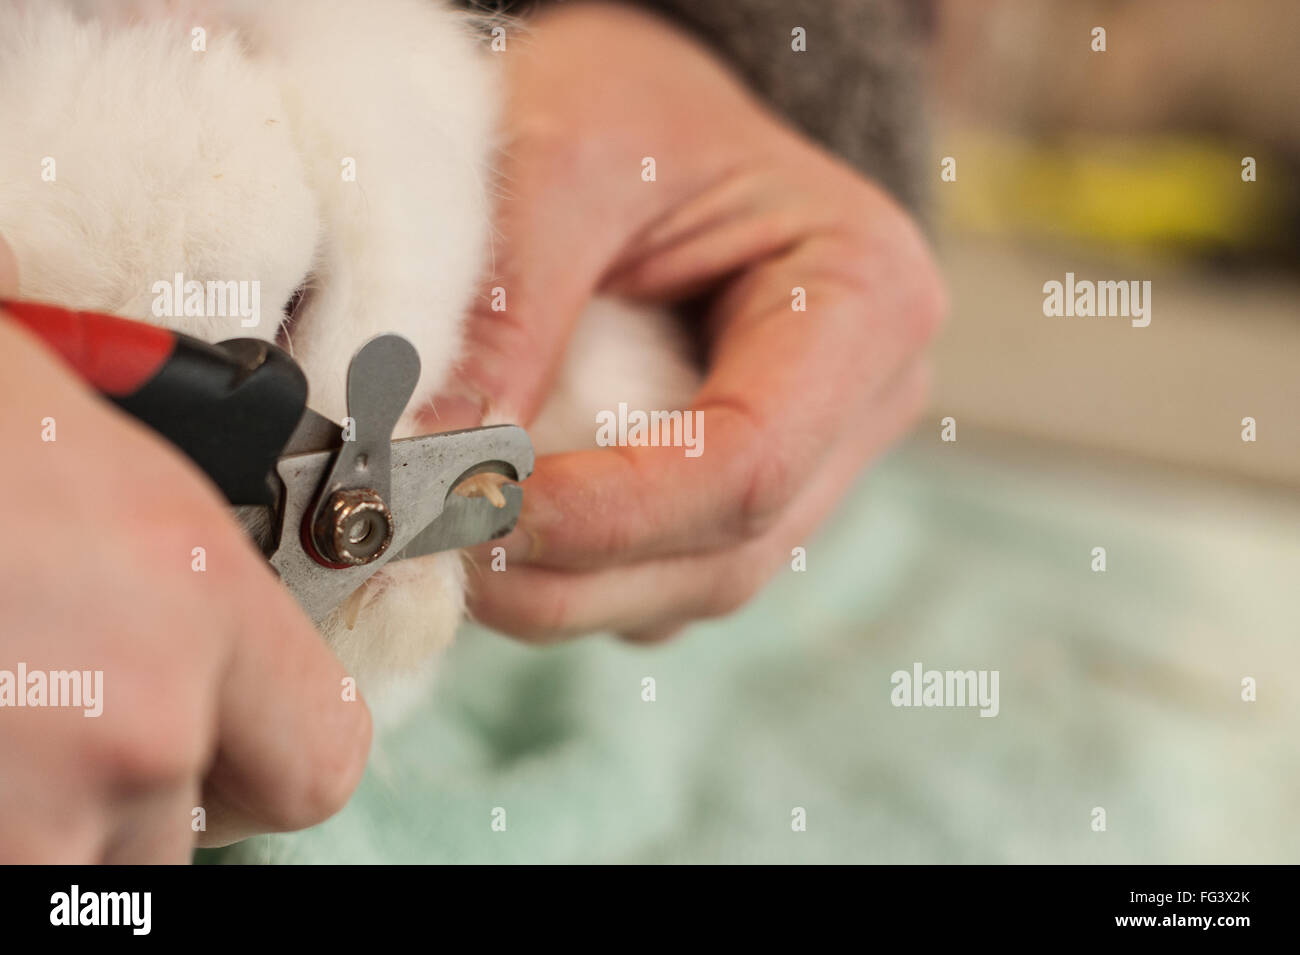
216,691
642,540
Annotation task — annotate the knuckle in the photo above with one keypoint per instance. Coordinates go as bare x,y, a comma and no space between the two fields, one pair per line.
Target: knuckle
769,481
924,301
174,525
553,618
558,616
893,249
320,783
732,587
156,707
159,754
622,535
344,767
927,309
544,613
770,489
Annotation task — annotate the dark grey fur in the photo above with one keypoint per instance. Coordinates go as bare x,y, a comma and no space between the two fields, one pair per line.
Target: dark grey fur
857,89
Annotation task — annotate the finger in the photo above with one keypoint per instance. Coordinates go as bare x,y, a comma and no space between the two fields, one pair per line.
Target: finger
546,263
41,824
572,194
655,598
25,842
782,386
293,743
743,219
155,829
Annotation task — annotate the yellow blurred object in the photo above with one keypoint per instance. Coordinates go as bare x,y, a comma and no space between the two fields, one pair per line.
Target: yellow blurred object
1177,192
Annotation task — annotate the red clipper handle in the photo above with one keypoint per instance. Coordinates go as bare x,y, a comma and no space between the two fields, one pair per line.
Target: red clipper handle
231,407
114,355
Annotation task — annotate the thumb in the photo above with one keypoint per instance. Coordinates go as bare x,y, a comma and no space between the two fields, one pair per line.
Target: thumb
554,240
521,323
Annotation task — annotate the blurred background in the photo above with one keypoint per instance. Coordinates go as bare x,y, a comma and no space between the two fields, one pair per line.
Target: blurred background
1125,164
1120,690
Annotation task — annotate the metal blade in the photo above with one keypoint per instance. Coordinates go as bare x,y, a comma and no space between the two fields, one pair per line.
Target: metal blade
466,521
423,471
315,432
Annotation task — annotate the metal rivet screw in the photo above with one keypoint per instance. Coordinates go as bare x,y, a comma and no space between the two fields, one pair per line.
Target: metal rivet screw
355,527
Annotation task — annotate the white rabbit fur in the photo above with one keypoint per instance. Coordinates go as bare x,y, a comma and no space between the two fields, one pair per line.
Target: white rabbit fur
226,164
